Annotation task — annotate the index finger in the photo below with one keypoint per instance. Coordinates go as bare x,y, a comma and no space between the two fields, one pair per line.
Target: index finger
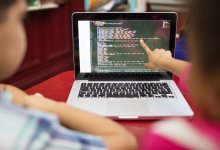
145,47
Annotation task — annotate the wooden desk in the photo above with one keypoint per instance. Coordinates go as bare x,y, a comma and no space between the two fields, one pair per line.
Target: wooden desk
58,88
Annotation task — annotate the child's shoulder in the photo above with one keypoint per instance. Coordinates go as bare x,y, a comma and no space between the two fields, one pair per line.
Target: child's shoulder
183,134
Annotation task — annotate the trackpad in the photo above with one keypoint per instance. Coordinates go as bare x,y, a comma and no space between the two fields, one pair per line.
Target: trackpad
127,108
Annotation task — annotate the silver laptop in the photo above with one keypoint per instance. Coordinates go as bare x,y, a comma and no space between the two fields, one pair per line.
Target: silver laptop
110,78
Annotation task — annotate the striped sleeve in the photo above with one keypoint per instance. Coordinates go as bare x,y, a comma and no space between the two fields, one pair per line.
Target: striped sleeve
64,138
50,135
29,129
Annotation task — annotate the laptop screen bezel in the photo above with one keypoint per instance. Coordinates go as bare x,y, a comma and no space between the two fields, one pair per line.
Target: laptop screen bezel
80,16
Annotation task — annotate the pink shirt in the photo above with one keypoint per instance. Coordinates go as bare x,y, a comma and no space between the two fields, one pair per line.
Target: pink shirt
183,86
182,134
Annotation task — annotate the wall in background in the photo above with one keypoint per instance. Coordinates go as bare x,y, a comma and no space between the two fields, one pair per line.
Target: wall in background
179,6
49,50
50,43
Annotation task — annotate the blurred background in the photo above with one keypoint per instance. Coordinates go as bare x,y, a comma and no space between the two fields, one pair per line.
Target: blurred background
49,35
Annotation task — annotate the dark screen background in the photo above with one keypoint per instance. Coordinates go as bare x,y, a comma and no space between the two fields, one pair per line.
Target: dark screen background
115,44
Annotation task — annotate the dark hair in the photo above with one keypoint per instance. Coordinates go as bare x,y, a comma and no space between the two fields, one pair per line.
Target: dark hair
204,23
4,5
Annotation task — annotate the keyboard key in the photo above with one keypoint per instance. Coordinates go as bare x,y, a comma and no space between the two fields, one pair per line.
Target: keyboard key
158,96
164,96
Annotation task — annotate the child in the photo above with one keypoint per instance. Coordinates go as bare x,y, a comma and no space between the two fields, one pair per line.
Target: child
32,122
203,132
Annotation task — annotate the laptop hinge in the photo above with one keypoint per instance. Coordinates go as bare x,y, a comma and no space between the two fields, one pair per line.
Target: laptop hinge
125,77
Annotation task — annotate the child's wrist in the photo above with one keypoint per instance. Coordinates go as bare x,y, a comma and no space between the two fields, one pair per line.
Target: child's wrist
53,106
165,64
56,107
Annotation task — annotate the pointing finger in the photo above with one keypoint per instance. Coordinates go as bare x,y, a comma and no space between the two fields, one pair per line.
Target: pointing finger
145,47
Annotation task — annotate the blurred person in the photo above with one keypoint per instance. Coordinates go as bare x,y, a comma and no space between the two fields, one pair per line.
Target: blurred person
202,78
35,122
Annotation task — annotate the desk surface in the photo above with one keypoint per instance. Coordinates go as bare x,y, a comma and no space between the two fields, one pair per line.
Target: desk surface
58,88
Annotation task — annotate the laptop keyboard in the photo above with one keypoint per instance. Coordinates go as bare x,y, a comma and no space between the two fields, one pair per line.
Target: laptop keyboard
125,90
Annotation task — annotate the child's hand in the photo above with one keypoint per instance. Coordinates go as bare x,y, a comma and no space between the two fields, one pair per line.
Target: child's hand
17,94
157,58
39,102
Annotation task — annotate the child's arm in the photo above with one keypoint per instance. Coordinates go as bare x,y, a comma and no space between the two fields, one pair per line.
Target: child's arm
17,94
113,134
161,59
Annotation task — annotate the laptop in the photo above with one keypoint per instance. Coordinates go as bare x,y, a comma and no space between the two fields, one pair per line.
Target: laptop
110,78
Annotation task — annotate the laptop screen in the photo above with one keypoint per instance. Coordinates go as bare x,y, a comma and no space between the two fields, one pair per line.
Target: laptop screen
113,45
